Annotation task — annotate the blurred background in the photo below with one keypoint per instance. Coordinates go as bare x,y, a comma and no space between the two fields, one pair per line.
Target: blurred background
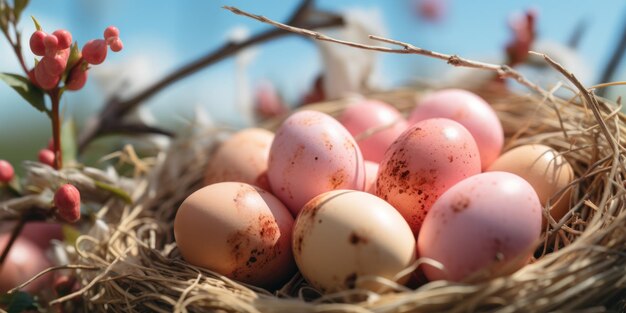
161,36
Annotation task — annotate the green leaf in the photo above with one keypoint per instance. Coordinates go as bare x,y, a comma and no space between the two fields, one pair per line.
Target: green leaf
26,89
69,149
19,301
114,190
74,57
18,8
14,185
37,25
70,234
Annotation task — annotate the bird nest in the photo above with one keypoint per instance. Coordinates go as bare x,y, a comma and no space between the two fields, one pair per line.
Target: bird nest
127,259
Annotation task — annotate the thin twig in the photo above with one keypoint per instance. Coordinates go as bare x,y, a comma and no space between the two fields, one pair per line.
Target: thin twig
503,71
17,229
110,118
51,269
590,99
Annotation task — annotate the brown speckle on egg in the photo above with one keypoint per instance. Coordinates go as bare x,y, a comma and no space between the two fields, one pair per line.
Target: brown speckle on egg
356,239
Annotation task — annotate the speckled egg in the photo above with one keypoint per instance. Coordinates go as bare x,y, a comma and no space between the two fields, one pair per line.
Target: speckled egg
342,236
487,224
426,160
381,119
471,111
311,154
545,169
242,158
237,230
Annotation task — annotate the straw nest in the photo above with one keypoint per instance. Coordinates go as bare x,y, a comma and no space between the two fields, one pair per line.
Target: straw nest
131,264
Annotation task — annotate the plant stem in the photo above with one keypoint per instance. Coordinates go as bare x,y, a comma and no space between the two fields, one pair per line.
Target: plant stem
14,234
56,127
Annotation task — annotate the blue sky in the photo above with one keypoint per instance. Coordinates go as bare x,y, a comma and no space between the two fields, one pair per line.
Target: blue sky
161,35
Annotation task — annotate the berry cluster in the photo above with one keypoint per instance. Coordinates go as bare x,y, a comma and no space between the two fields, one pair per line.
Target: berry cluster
55,50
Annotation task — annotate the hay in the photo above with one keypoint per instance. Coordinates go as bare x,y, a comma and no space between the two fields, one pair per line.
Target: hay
133,265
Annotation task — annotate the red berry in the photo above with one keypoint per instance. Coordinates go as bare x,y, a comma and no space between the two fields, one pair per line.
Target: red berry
51,43
63,285
6,171
116,45
95,51
36,43
64,37
55,64
67,202
44,79
46,157
51,144
77,78
111,31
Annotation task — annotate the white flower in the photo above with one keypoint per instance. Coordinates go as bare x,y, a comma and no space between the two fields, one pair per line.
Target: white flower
346,69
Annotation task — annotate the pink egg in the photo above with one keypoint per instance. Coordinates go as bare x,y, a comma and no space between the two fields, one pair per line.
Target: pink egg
426,160
470,111
24,261
40,233
371,171
311,154
489,222
373,115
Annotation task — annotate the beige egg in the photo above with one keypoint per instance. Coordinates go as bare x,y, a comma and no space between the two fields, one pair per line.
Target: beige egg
237,230
242,158
545,170
343,235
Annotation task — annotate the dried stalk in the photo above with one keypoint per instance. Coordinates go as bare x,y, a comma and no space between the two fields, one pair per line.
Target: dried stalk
504,71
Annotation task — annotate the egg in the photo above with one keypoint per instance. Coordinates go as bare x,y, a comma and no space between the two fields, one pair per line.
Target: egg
371,172
545,169
24,261
311,154
381,119
426,160
39,233
487,223
342,235
471,111
237,230
242,158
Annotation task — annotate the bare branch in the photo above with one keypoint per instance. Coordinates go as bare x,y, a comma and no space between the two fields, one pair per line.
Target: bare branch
110,118
503,71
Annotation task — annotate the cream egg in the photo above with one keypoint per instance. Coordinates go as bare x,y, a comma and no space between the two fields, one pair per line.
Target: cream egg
343,235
